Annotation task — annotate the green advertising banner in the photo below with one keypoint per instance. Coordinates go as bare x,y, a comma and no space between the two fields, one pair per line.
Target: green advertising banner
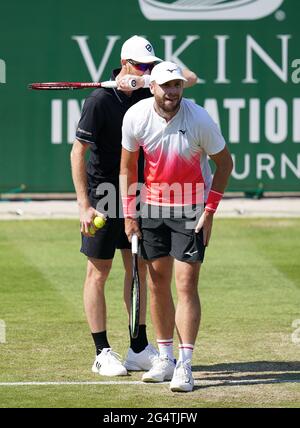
245,52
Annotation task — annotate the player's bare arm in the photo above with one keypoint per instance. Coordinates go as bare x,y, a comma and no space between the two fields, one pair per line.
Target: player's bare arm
129,82
125,82
86,212
224,165
190,76
128,180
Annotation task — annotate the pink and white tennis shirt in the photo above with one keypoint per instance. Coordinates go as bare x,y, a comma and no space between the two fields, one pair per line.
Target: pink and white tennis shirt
175,151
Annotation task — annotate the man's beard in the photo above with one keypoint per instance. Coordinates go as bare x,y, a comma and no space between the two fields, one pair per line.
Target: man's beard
168,108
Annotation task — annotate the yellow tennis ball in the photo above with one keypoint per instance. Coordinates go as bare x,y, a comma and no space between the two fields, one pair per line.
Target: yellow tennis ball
99,222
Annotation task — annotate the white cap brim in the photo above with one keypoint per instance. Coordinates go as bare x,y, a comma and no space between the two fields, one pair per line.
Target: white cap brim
166,71
164,79
145,59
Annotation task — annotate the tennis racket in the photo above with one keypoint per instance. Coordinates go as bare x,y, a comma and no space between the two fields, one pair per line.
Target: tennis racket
50,86
135,290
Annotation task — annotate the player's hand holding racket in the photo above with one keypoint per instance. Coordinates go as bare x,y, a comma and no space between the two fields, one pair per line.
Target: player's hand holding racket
130,82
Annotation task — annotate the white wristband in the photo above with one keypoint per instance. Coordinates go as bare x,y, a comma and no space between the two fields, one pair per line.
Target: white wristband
146,80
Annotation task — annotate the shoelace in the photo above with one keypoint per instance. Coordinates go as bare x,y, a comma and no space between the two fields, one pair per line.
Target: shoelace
151,351
159,361
185,365
111,356
114,356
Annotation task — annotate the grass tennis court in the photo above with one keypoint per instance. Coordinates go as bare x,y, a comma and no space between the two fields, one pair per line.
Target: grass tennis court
245,355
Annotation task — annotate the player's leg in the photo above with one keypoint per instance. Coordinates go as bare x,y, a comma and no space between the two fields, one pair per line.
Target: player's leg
187,319
107,362
94,296
100,251
155,249
163,318
161,300
188,309
188,250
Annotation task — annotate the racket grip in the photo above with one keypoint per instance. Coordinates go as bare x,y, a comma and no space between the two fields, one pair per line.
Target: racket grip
134,244
132,83
113,84
109,84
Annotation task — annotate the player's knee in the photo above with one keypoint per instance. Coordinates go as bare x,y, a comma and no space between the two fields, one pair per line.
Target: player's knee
159,286
97,275
187,288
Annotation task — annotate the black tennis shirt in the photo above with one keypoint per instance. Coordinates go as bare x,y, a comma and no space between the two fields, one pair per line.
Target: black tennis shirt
101,126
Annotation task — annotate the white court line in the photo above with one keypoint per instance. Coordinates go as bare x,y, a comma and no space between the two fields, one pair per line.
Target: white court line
113,382
109,382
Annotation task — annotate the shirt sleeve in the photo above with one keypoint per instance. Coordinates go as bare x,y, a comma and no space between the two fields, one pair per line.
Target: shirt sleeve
211,139
129,141
91,121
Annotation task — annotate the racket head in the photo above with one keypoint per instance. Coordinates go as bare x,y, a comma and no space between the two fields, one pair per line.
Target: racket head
52,86
134,315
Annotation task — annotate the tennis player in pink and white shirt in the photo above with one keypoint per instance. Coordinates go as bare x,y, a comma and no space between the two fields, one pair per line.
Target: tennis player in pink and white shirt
177,136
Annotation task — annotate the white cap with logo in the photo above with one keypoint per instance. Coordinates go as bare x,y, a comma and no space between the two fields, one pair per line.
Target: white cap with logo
166,71
138,49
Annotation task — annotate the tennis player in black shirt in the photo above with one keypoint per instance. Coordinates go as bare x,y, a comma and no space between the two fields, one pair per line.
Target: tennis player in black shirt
97,188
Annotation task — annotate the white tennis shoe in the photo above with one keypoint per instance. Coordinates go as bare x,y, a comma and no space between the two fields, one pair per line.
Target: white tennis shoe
140,360
108,363
162,369
182,380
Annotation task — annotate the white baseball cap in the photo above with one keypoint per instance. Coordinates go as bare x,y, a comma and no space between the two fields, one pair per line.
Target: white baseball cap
166,71
138,49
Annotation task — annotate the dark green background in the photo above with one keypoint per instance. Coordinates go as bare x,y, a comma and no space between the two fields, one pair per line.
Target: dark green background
36,44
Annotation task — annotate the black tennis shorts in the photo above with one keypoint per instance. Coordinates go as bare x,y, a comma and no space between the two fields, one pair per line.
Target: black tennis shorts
107,239
171,237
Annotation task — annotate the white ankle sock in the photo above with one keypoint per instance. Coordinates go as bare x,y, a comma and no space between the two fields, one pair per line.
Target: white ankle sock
185,351
165,347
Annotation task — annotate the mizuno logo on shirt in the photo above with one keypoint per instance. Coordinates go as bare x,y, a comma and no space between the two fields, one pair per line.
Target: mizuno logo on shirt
183,131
